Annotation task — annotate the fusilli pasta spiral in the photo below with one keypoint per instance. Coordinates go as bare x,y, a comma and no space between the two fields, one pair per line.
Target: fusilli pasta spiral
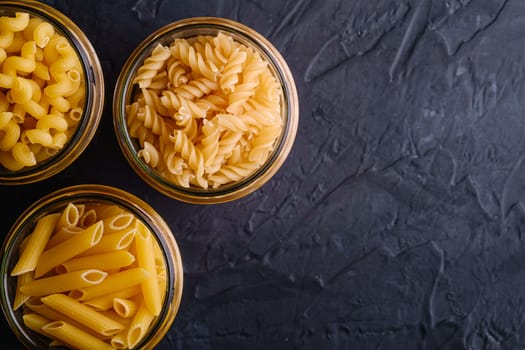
207,115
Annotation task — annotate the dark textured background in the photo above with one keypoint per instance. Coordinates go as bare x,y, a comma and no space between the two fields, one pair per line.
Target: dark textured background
397,220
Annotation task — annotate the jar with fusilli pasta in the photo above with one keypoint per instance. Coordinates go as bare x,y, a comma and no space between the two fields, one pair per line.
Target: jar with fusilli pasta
51,92
206,110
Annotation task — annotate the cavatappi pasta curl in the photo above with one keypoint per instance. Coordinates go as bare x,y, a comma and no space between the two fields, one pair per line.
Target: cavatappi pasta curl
41,85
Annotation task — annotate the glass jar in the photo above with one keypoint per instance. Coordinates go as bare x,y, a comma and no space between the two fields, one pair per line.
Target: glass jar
89,195
191,29
93,85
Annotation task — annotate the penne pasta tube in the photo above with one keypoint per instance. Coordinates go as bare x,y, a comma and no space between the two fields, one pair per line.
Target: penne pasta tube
105,302
63,282
63,234
23,244
88,218
146,259
36,306
66,250
35,245
114,316
106,262
118,222
163,282
124,307
159,257
120,340
56,343
21,298
83,314
70,215
106,211
139,325
35,322
111,284
74,336
81,209
114,241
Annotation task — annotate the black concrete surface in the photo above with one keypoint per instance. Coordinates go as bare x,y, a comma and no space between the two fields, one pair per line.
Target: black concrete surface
397,221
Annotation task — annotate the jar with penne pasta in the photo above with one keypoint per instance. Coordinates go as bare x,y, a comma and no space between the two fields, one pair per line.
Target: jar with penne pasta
51,92
206,110
90,267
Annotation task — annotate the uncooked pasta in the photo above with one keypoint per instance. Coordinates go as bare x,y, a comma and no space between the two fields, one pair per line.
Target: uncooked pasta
207,111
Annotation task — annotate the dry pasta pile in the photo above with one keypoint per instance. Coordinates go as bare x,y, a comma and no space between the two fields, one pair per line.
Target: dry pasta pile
90,277
41,91
208,111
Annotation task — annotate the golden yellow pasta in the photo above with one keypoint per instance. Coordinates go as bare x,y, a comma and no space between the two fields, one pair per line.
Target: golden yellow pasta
35,109
52,122
37,137
74,337
14,24
106,211
14,64
106,262
88,218
117,222
119,341
10,135
64,251
146,260
35,305
63,282
139,325
70,216
36,244
22,154
35,322
207,112
21,91
40,74
42,33
66,86
105,302
113,241
85,284
113,283
63,233
82,314
124,307
21,280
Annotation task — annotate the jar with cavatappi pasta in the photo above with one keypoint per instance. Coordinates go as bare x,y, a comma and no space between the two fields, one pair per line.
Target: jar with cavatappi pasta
205,110
90,267
51,92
